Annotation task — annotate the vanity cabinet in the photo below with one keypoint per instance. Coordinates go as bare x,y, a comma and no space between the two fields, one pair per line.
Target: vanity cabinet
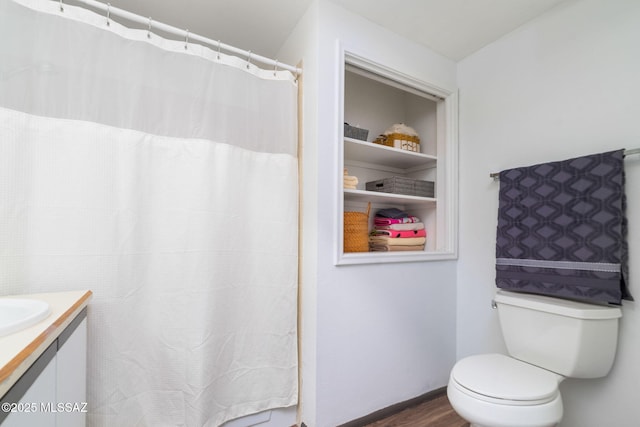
71,369
374,97
52,392
40,384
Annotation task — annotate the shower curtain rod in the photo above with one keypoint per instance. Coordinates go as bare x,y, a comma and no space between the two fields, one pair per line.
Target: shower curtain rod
111,10
496,175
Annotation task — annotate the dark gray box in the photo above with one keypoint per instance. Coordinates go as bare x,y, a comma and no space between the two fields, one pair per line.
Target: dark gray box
354,132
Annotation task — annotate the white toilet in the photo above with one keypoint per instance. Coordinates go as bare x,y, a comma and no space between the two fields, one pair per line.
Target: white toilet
548,340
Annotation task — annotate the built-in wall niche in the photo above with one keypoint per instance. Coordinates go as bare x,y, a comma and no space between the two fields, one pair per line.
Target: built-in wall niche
374,96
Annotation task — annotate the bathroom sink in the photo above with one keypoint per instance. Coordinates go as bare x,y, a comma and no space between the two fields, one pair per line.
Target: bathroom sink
20,313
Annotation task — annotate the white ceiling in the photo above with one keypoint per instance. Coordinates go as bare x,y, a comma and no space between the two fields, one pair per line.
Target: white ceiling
454,28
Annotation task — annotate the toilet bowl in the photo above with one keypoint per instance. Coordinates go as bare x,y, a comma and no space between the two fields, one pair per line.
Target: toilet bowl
548,339
494,390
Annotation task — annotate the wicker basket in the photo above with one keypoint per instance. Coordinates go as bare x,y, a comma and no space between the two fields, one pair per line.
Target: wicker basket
400,141
356,231
402,185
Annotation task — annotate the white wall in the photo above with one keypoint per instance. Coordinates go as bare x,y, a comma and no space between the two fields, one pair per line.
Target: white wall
380,334
562,86
385,332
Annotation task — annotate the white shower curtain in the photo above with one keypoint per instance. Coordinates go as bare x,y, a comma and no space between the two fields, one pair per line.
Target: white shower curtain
165,180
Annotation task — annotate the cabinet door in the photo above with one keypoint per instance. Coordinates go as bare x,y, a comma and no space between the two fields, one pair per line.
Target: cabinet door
72,378
34,408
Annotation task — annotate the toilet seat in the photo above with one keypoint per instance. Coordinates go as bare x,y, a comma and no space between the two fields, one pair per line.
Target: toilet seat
502,380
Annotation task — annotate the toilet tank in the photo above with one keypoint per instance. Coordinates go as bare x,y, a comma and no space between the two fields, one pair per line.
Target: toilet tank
573,339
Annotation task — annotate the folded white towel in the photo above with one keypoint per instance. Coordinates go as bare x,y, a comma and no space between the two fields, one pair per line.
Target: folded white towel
397,241
387,248
351,180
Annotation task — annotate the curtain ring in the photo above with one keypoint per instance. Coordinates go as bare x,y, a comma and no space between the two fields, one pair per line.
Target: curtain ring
61,7
218,49
249,60
149,29
108,13
275,68
186,41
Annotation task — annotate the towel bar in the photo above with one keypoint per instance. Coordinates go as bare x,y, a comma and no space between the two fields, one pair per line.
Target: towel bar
630,152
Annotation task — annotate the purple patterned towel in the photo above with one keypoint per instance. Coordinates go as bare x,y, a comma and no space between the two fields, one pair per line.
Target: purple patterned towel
562,229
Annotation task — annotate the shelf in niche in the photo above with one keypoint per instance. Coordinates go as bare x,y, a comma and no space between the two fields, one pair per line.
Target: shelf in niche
385,257
378,197
377,154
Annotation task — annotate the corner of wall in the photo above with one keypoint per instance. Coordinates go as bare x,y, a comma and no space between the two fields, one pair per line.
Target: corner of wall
301,48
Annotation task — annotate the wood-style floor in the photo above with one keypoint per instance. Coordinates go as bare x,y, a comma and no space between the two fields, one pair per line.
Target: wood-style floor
433,413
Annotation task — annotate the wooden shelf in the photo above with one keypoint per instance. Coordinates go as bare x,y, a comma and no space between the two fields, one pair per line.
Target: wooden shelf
376,154
388,257
378,197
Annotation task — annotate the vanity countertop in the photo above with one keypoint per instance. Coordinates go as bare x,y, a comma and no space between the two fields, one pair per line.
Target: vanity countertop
19,350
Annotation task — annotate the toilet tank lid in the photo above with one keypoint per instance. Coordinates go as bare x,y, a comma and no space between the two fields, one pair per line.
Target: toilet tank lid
562,307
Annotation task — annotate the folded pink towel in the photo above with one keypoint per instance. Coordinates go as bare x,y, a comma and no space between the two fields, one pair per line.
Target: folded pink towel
400,233
408,226
388,221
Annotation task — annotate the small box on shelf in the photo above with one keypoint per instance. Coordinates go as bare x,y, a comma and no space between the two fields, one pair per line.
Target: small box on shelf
355,133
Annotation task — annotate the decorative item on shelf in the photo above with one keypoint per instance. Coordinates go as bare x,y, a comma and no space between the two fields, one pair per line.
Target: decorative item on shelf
350,182
356,231
396,230
355,132
402,185
400,136
382,140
